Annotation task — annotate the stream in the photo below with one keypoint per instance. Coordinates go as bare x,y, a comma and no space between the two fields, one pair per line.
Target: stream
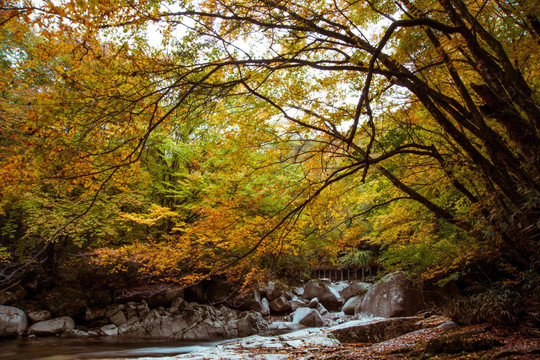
57,348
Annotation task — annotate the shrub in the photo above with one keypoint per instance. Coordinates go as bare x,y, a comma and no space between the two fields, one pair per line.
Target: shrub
497,305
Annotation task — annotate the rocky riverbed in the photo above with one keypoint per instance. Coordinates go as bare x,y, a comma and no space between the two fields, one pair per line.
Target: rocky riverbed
321,319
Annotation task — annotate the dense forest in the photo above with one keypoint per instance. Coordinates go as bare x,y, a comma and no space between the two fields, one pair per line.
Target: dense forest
174,141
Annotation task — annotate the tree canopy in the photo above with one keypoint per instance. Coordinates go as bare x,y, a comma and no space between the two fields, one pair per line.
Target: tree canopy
186,139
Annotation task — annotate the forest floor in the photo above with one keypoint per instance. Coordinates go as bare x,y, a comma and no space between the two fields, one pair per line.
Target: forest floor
481,341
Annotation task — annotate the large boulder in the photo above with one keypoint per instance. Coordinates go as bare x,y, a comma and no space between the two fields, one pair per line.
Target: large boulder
375,330
307,317
52,327
13,321
351,304
392,296
65,301
326,294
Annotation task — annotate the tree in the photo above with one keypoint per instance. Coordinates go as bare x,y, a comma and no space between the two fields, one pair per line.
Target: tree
446,88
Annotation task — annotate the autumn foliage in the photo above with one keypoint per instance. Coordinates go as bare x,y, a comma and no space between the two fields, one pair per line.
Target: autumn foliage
184,140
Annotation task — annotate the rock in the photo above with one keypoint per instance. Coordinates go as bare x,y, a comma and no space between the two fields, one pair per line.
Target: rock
448,325
280,305
265,307
165,297
313,303
321,310
296,304
118,318
285,326
249,300
298,291
351,304
321,290
13,321
356,288
392,296
65,301
179,303
339,286
52,327
109,330
39,315
94,314
75,333
274,290
197,322
281,347
114,309
307,317
372,331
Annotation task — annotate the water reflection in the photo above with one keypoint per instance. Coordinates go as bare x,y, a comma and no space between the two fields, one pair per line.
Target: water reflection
56,348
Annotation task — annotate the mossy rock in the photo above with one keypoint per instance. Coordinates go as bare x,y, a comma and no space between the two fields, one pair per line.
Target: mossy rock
65,301
464,342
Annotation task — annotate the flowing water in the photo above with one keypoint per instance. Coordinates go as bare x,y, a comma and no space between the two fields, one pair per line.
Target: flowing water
57,348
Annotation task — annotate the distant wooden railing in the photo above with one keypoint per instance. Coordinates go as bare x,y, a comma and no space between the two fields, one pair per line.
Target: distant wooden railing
337,274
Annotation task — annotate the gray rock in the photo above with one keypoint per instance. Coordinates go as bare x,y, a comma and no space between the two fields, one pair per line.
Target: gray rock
52,327
296,304
179,303
285,326
322,310
349,308
39,315
109,330
13,321
265,307
250,300
313,303
118,318
274,290
447,325
392,296
307,317
197,322
267,348
94,314
322,290
75,333
280,305
114,309
354,289
375,330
